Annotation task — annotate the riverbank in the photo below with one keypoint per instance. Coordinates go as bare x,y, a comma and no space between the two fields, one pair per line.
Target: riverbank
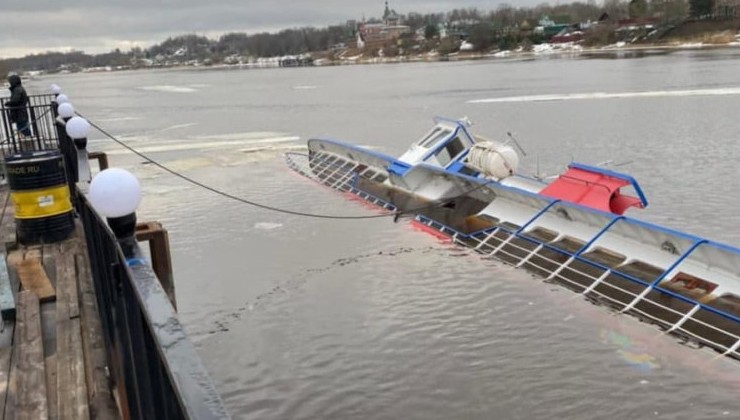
686,41
618,50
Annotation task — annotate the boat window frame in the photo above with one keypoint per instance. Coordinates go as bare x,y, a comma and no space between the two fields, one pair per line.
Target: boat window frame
434,134
466,141
455,157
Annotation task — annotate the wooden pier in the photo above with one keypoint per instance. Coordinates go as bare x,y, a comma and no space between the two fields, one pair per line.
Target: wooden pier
89,332
52,354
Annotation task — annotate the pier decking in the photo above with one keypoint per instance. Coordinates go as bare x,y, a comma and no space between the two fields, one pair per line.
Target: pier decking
52,360
89,325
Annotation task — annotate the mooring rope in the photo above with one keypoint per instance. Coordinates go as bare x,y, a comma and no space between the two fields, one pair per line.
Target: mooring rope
242,200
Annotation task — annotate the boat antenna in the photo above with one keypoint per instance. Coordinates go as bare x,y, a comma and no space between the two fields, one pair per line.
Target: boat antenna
465,120
511,136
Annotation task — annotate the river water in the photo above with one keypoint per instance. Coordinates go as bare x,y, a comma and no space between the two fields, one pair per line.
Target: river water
300,318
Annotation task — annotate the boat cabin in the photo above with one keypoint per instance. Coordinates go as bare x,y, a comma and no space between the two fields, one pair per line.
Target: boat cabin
444,146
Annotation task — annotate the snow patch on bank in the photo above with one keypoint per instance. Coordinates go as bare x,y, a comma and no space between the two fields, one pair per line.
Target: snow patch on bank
614,95
169,89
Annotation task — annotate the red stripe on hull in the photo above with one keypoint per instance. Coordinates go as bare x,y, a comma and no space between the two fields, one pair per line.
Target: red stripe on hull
430,230
356,198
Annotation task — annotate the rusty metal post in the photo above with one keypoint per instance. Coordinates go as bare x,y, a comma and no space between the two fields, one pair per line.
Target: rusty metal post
159,249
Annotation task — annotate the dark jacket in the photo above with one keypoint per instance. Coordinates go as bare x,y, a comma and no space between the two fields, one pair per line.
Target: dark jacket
18,100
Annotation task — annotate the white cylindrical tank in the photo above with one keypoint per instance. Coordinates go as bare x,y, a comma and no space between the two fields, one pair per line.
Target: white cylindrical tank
493,159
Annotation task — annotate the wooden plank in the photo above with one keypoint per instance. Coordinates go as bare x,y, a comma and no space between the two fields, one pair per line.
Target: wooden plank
71,385
14,257
100,397
30,380
7,227
49,337
49,254
5,358
50,364
67,301
7,299
33,278
13,380
32,252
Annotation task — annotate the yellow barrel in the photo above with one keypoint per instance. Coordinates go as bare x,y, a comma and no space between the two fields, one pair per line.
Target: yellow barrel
40,194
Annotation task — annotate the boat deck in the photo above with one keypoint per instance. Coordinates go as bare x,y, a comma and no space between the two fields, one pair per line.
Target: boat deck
52,354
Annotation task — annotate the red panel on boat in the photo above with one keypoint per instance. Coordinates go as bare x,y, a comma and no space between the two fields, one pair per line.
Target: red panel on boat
591,189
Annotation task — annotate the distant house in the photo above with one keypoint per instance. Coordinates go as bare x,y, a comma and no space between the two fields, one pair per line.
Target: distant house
726,9
390,17
567,37
550,27
645,23
376,35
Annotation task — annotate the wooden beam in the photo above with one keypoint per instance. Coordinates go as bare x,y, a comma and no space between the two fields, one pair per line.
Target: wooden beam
7,299
5,358
10,397
71,385
30,380
100,396
34,278
159,250
7,227
67,302
50,363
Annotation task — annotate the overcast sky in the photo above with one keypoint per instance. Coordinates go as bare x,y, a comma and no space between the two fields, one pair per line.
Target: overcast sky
32,26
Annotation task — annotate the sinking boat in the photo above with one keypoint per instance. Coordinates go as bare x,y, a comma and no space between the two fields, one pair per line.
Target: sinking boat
571,231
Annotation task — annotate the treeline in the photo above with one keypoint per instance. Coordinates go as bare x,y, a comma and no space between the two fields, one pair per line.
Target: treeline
486,29
73,60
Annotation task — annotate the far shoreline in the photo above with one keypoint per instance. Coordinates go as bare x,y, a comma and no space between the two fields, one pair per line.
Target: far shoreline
554,50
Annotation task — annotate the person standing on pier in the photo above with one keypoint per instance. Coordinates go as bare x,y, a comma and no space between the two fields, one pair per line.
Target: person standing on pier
16,105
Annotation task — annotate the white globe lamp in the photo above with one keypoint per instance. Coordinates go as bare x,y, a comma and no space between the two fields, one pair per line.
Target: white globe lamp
66,111
55,89
78,129
116,193
62,98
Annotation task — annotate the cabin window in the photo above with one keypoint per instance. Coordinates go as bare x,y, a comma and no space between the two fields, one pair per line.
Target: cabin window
508,226
641,270
569,244
541,234
605,257
433,137
449,151
728,302
691,283
480,222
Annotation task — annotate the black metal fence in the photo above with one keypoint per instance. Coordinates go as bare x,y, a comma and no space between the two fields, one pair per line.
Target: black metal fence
40,116
155,367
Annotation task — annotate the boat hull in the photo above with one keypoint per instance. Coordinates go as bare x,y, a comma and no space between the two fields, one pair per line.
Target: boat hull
688,286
